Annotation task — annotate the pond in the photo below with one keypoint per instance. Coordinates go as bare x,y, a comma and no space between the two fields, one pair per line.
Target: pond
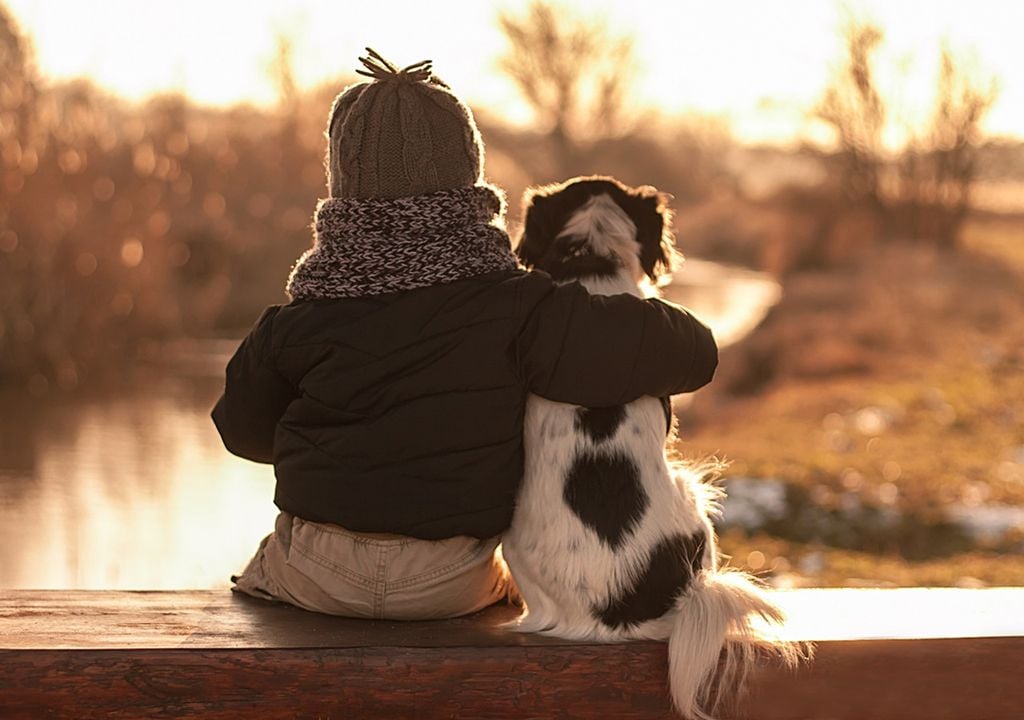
132,489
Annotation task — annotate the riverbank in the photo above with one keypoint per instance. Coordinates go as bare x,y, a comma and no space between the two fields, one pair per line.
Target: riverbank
886,397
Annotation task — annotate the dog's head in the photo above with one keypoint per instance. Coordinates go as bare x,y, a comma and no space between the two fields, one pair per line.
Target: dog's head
594,227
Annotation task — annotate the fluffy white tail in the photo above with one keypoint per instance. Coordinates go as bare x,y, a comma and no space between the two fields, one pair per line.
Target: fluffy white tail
720,611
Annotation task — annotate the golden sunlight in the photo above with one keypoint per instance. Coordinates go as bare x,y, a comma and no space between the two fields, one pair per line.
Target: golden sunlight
759,66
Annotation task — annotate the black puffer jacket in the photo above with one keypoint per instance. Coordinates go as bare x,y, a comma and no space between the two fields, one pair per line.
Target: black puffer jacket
403,413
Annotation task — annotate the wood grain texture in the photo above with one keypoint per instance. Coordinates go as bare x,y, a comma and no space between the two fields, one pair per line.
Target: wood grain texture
509,682
961,679
213,655
933,679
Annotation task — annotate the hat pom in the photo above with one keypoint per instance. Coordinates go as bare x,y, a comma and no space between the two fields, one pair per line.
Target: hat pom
376,67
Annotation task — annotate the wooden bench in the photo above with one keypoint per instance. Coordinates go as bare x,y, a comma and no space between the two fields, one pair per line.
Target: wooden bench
900,654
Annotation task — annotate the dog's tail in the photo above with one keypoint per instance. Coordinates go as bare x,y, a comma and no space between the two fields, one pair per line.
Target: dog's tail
724,610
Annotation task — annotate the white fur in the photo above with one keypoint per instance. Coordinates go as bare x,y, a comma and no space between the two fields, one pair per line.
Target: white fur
615,239
560,587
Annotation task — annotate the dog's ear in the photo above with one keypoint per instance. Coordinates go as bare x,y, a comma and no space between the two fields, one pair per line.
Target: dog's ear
538,227
653,219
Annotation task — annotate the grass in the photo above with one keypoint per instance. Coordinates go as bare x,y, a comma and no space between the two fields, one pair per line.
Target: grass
790,564
899,382
943,435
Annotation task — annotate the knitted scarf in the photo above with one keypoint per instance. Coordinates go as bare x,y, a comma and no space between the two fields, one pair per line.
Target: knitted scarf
372,246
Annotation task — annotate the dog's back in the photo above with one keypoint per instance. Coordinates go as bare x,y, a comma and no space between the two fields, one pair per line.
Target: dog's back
603,542
609,541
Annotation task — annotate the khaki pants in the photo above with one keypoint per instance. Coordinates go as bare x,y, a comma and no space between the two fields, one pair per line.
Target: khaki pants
328,569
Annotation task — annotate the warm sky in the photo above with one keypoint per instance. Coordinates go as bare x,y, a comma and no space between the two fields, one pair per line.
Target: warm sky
757,64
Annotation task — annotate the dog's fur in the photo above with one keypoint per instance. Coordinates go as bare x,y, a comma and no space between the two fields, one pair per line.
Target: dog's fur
610,541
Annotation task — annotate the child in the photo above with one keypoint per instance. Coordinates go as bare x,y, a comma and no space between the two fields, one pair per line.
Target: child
389,394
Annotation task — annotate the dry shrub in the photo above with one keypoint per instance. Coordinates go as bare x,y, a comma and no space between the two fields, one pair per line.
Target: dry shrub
122,223
795,230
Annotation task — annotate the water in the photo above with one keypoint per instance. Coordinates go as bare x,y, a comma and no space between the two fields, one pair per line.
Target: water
130,488
731,300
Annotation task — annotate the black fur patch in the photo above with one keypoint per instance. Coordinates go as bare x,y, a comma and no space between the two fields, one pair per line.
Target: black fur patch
604,491
600,423
670,569
666,405
577,267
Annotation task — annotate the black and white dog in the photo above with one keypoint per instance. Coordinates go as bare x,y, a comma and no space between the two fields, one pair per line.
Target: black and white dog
610,540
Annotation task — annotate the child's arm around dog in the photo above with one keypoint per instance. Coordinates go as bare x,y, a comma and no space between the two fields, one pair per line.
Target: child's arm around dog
571,347
607,350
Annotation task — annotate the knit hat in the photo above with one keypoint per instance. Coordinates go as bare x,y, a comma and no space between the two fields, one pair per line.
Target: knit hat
404,133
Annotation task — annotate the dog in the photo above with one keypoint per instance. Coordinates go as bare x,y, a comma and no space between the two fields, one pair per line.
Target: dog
610,540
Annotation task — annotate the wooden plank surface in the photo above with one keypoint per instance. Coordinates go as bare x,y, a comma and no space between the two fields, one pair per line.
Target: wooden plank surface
210,654
221,619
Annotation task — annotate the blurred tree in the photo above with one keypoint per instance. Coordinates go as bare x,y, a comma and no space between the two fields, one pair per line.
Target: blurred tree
282,72
122,223
853,108
17,82
282,69
18,156
573,72
936,171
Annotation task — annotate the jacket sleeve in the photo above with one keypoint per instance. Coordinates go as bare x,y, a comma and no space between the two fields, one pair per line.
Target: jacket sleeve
255,395
607,350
